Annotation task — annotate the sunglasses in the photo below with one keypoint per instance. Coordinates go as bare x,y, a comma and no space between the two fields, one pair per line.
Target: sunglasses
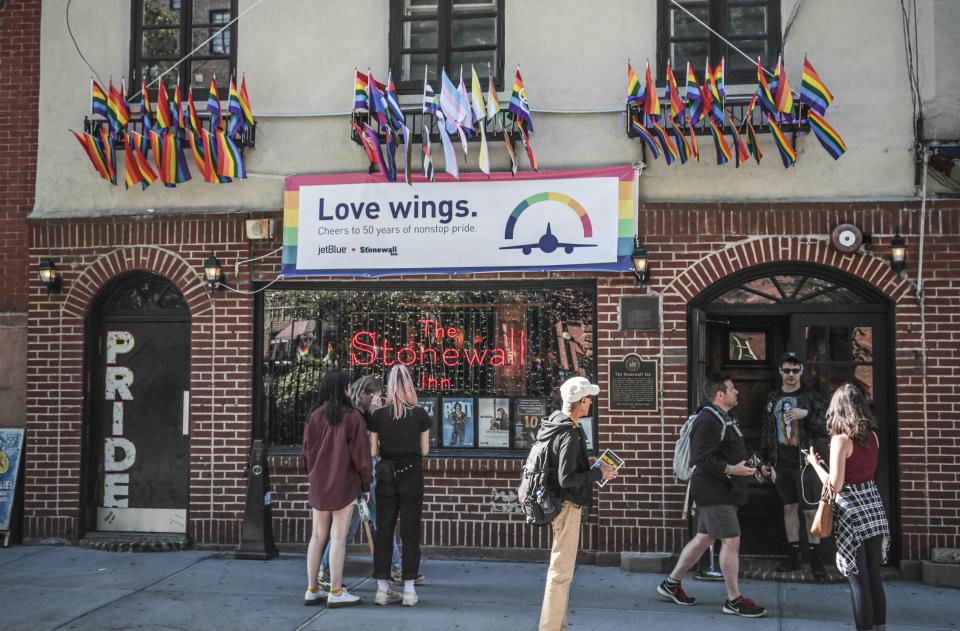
791,371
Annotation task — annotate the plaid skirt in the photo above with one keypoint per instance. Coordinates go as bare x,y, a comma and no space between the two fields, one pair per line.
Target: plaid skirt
858,515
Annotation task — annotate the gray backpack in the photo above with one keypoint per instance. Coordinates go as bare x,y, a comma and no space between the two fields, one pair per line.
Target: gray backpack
682,466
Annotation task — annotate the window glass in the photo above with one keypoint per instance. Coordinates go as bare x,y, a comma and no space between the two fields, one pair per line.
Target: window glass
478,60
220,44
203,71
411,68
747,20
682,25
474,32
747,346
163,42
482,360
159,13
420,34
153,70
203,10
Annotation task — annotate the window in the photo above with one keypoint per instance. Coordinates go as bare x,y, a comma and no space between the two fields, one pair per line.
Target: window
486,361
220,44
166,30
752,25
451,34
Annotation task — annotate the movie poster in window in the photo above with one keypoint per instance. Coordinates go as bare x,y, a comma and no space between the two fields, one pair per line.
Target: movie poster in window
493,422
429,404
458,423
527,414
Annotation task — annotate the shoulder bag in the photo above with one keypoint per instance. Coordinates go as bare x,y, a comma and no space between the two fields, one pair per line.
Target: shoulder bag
823,521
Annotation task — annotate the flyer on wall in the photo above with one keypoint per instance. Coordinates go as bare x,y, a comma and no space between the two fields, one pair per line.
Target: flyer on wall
493,422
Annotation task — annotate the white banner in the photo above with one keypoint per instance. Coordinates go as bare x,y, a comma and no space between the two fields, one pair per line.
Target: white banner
569,221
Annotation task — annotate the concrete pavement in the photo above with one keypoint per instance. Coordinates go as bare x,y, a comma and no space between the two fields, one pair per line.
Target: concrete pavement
44,587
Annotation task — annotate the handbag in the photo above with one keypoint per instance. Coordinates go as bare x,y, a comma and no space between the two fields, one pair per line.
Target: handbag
823,521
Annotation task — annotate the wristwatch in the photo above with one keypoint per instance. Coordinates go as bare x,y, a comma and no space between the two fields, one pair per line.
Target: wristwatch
728,469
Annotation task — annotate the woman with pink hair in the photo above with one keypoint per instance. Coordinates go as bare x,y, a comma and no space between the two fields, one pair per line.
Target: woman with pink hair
400,436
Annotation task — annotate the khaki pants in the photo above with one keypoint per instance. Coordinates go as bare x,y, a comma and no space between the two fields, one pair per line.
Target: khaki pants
563,559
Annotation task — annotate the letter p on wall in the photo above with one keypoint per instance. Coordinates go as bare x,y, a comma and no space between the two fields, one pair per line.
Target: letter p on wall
118,342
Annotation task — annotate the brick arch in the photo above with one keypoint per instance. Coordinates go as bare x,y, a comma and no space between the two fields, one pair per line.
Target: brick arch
170,265
869,268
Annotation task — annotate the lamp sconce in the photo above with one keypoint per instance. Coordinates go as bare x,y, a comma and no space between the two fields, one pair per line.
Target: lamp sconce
50,276
641,263
213,272
898,253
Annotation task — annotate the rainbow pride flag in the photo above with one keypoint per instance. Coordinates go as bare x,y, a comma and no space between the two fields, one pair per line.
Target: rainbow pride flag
651,104
669,150
812,90
147,174
694,98
787,153
118,106
235,109
230,163
753,145
723,149
673,95
168,164
827,136
192,119
196,149
519,106
647,138
98,100
740,152
245,104
164,119
784,95
89,145
210,159
634,89
213,104
176,108
717,76
683,146
764,93
361,102
694,147
109,154
132,175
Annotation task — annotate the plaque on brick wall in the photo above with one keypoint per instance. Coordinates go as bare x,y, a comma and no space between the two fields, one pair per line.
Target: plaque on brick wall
634,385
640,313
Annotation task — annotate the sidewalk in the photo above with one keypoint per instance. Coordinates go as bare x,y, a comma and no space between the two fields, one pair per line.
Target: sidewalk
71,588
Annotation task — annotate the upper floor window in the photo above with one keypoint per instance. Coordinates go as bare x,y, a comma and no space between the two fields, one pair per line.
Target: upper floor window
752,25
451,34
166,30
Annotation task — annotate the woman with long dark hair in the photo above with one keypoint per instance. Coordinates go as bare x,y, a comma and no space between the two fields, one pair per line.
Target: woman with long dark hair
860,521
400,436
337,454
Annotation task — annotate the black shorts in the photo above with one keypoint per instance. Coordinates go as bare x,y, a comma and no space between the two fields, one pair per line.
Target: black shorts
793,490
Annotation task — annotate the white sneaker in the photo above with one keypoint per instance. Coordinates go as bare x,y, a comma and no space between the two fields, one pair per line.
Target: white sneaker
387,598
314,598
409,599
344,599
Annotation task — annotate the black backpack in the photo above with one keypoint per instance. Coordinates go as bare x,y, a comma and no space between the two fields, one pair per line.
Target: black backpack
538,494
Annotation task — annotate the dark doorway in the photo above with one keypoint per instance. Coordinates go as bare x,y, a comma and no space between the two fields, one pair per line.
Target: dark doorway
839,327
138,408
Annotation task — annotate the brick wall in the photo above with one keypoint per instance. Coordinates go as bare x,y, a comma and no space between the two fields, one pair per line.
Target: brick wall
691,246
19,112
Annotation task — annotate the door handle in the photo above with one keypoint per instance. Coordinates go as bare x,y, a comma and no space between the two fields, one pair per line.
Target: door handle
186,413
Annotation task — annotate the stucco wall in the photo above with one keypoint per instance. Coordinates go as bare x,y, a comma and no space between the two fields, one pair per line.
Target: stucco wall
299,57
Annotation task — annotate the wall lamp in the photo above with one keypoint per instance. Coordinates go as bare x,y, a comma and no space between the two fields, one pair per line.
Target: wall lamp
898,253
213,272
641,263
50,276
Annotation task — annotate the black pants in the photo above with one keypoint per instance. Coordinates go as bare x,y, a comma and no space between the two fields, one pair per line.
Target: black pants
399,497
866,588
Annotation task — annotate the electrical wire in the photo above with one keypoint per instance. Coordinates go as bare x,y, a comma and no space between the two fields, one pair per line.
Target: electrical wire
255,291
77,46
790,21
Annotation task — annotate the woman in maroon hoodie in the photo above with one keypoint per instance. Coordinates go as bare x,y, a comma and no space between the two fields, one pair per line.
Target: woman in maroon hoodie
337,454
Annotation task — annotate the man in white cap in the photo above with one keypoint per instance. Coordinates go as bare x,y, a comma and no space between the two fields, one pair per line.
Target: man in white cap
575,478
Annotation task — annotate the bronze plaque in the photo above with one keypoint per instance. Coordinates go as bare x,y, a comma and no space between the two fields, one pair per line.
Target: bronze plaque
634,385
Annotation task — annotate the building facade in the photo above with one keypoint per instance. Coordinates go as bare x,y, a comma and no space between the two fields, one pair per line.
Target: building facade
146,387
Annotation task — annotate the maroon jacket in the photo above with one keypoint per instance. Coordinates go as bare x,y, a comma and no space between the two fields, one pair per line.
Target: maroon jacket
337,458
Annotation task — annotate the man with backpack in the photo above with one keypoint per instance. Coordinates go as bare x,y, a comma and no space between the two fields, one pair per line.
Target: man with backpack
718,486
573,480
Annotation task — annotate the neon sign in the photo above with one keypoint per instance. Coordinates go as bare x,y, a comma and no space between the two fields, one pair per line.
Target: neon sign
369,348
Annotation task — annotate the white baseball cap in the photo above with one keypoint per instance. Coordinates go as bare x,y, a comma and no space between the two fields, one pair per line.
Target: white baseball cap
576,388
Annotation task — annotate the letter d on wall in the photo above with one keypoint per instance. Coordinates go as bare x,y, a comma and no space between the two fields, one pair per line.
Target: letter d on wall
110,447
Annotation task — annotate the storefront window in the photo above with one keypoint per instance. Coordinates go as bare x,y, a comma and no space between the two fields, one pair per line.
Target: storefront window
486,361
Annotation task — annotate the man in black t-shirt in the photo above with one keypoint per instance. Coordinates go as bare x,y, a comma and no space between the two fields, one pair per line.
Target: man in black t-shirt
794,420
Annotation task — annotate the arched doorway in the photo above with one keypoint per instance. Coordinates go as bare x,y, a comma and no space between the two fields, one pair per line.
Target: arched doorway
841,328
138,401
